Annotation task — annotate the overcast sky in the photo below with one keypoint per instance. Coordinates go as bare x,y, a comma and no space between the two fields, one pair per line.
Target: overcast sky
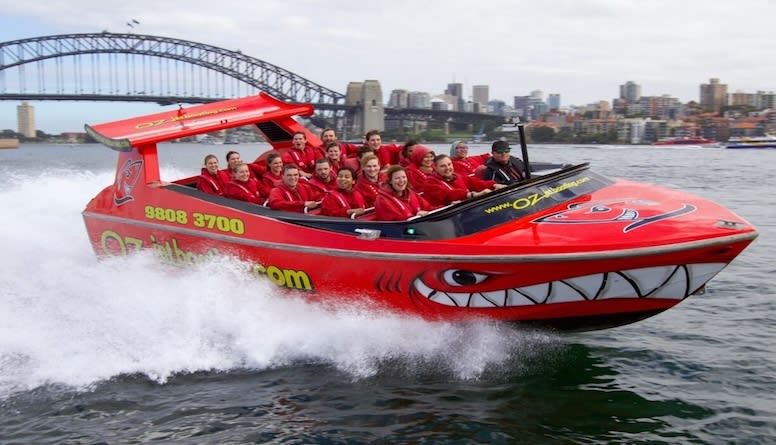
580,49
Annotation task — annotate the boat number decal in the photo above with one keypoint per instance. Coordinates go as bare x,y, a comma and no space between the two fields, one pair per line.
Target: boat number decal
171,251
202,220
531,200
182,116
222,223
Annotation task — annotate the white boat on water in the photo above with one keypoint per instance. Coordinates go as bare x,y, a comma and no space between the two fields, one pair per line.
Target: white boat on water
767,141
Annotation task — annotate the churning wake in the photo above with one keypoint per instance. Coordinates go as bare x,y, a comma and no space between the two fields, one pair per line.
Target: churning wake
67,318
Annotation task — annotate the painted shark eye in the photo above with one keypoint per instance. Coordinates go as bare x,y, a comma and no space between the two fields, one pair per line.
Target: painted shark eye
458,277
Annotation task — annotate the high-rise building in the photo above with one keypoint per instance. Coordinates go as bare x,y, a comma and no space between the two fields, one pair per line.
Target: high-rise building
455,90
398,99
481,95
630,92
418,99
25,117
713,95
553,101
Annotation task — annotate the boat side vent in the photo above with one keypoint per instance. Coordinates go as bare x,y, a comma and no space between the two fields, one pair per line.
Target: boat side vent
273,131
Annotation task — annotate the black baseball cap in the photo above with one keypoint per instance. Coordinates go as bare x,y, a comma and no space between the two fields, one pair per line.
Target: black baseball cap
500,147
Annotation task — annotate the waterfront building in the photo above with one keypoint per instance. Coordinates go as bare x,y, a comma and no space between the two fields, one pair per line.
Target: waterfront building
553,101
739,98
418,99
498,107
630,92
399,99
713,95
655,129
455,90
25,120
630,131
481,95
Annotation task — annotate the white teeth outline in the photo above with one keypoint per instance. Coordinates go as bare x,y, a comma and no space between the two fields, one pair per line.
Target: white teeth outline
675,282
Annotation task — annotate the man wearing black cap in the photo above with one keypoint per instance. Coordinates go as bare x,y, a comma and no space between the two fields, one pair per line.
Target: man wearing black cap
503,167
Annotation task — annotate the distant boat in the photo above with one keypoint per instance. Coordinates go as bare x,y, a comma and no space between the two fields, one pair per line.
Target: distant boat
687,140
9,143
767,141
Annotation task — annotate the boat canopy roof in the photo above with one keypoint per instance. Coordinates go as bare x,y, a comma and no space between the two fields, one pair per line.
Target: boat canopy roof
174,124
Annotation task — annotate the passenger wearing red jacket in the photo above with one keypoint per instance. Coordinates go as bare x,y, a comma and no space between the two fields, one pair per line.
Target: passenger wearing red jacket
421,166
396,201
288,195
447,187
388,154
328,136
273,175
369,179
322,181
242,186
462,162
212,180
302,155
335,156
232,161
343,201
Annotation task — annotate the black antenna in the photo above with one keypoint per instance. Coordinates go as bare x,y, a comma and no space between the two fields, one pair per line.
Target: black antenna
523,149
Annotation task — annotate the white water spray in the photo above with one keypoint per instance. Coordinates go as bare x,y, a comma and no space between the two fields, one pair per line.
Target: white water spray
67,318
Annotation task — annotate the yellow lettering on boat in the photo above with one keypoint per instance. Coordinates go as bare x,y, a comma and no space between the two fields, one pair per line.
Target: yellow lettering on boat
114,244
171,251
183,116
531,200
292,279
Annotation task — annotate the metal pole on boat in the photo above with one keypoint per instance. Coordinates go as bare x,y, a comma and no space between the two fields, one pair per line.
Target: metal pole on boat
524,149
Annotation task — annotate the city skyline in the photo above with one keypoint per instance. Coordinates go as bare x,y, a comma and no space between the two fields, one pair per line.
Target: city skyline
581,50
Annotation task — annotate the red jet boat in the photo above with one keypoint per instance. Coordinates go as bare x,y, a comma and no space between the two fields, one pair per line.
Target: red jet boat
571,249
688,140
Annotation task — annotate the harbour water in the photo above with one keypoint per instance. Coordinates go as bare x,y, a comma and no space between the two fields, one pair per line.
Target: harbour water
129,351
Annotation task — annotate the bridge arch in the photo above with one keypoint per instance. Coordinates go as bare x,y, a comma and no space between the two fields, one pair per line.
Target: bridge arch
254,72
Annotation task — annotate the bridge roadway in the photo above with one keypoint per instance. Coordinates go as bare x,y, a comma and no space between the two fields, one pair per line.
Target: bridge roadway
394,114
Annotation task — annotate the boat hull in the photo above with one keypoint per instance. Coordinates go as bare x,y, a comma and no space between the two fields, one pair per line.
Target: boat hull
562,288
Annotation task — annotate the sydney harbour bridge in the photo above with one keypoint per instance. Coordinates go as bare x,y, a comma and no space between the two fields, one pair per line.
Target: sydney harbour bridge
130,67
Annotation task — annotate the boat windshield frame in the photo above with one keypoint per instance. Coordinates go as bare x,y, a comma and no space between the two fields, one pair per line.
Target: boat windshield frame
457,220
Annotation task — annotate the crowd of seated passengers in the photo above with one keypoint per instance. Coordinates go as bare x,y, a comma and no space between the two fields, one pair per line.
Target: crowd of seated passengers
432,176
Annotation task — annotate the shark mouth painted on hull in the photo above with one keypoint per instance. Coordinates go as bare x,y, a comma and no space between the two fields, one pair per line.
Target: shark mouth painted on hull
670,282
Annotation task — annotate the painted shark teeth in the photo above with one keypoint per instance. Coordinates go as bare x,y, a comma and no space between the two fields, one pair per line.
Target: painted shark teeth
673,282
